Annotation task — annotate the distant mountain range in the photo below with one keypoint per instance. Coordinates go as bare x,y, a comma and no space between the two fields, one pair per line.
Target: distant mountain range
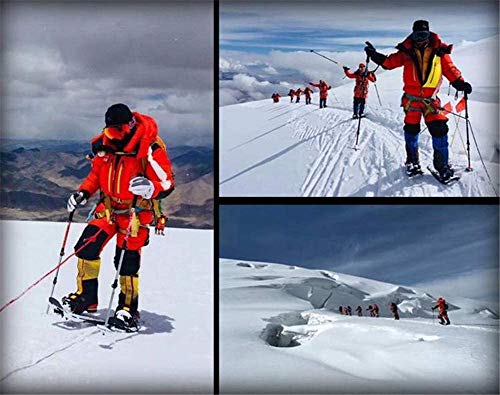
38,176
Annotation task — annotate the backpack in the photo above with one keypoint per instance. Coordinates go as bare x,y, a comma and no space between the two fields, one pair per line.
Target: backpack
157,210
445,306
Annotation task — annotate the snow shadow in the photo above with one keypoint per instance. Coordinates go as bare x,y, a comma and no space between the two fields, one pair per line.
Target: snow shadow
151,323
277,335
155,323
251,265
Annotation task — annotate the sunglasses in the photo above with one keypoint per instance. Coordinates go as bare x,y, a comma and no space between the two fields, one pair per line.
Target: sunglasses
420,36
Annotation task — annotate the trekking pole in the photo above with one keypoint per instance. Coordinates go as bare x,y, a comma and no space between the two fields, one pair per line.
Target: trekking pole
61,254
122,254
469,168
378,96
362,81
323,56
89,240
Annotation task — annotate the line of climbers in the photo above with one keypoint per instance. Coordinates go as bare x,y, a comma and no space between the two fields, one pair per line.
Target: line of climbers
374,311
425,60
307,91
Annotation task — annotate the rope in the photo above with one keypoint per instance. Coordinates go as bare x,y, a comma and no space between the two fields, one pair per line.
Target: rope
481,157
87,242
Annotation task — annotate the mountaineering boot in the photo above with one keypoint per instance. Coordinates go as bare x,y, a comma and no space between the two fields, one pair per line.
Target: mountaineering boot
78,304
413,169
85,297
355,116
129,320
446,173
128,301
440,162
412,160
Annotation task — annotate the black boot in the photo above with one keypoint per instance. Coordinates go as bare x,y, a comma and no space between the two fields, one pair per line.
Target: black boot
78,303
128,314
412,162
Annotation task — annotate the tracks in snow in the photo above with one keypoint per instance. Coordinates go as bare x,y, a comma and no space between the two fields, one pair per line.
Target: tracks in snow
376,168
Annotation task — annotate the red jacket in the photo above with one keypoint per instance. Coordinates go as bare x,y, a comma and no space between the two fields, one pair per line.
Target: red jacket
291,93
423,71
361,87
112,172
441,303
308,92
323,89
298,92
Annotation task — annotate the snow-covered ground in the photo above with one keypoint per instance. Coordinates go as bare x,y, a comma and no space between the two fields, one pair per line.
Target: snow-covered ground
281,333
286,149
173,354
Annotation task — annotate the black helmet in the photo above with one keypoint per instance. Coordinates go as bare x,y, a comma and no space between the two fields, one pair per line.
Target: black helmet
118,114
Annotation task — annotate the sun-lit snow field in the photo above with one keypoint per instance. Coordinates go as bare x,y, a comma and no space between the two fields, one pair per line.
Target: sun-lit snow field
173,354
281,332
285,149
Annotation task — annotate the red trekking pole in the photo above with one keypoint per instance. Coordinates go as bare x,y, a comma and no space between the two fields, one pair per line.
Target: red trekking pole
61,254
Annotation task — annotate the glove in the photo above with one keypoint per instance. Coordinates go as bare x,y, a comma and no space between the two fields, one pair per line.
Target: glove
372,53
461,85
141,186
370,50
77,199
346,68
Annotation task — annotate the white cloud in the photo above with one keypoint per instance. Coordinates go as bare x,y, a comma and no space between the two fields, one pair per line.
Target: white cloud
480,285
61,75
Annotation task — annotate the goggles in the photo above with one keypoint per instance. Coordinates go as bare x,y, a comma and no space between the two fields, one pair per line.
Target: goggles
420,36
117,132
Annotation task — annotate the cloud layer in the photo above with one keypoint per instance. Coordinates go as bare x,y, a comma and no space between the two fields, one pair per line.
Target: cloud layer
65,63
416,244
271,41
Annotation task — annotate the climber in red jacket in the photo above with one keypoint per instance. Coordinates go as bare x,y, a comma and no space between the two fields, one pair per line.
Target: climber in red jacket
425,59
323,92
363,78
443,311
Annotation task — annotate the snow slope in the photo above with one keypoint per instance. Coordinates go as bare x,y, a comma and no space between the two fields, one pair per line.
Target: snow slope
286,149
174,353
280,332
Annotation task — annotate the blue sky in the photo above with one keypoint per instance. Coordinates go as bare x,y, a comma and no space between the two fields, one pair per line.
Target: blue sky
442,245
335,25
269,42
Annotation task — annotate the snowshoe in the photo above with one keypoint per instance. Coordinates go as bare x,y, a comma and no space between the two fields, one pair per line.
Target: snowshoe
125,321
445,176
413,170
67,314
